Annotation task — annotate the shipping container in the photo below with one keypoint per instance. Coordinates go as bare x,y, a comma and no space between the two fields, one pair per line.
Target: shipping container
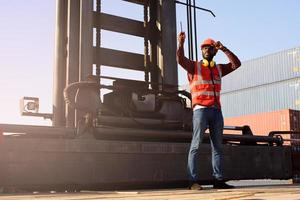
276,67
264,123
264,98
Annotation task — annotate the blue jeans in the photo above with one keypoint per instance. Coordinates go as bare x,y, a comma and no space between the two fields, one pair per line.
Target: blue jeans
204,118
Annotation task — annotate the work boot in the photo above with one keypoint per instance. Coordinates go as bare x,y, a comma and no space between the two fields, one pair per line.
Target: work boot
195,186
220,184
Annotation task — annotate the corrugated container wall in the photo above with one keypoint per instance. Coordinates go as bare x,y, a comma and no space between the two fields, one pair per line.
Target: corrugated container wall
265,98
264,123
265,84
264,70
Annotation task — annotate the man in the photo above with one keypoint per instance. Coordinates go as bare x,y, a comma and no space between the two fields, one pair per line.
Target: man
205,85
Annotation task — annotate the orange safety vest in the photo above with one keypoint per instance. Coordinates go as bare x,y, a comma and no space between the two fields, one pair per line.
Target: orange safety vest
204,90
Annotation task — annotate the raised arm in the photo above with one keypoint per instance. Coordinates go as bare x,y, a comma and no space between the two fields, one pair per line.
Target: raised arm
186,63
234,61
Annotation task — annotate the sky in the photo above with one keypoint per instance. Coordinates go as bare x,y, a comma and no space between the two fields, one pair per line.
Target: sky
250,29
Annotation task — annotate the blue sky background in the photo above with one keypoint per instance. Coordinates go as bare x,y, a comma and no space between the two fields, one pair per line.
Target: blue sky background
251,29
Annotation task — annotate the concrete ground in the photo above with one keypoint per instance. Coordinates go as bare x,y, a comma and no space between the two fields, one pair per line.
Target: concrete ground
245,190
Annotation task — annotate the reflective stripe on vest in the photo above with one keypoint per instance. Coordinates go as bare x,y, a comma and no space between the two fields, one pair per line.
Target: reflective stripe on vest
208,93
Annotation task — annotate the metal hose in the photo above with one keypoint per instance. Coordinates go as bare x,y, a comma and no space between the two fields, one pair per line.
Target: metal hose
73,87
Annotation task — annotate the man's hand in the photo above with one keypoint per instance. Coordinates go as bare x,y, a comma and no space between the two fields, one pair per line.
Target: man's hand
219,46
181,38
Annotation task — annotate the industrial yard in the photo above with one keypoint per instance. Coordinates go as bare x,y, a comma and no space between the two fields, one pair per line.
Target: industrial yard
275,192
121,123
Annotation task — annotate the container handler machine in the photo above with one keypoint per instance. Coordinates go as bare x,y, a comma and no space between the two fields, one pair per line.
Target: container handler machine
138,134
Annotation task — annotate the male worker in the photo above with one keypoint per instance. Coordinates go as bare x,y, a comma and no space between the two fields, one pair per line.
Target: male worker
205,85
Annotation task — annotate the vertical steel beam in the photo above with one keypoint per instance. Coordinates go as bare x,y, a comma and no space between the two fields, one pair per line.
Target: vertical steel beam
59,75
153,38
86,39
146,40
195,30
168,32
73,53
188,28
98,44
190,31
85,45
